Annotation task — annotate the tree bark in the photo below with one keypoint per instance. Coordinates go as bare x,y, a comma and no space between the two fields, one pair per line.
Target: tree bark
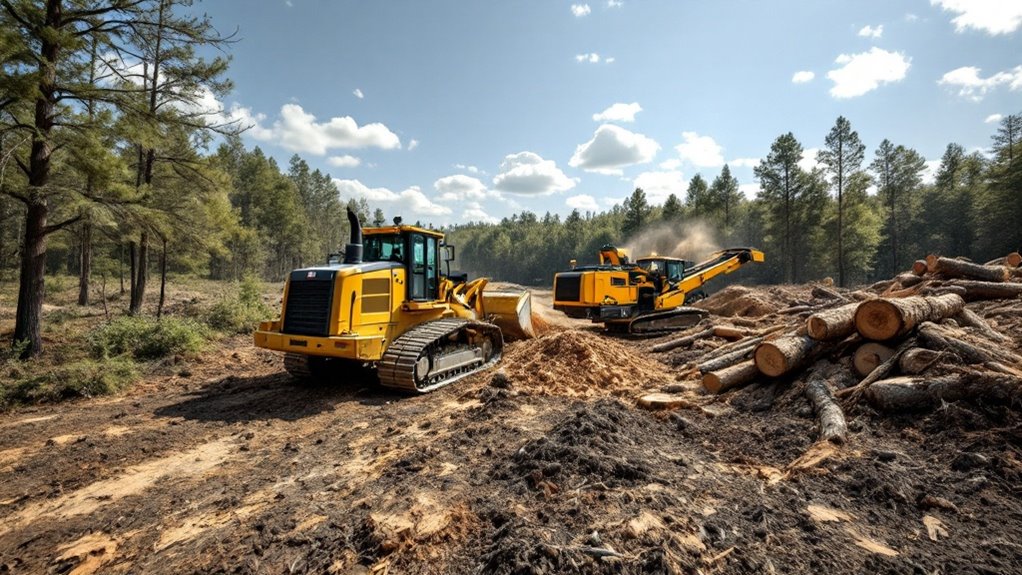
682,341
784,354
942,338
870,356
969,318
831,418
884,319
85,270
31,288
731,377
952,268
141,273
832,324
915,393
726,360
977,290
917,360
163,279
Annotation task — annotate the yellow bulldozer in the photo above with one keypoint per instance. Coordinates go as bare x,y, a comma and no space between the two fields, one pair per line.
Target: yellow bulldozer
388,305
644,296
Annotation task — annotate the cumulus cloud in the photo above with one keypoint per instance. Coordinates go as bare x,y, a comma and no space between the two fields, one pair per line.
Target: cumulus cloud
660,184
871,32
929,174
865,72
970,85
670,164
297,130
459,187
358,93
700,151
583,203
993,118
412,144
527,173
590,57
991,16
412,199
750,190
469,169
802,77
744,162
344,161
810,159
474,212
613,148
614,3
619,113
580,10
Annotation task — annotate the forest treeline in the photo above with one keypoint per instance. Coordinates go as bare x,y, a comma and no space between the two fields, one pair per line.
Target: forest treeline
114,167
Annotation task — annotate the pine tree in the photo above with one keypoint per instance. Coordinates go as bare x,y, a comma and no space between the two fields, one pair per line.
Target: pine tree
781,185
842,157
696,197
637,213
724,199
673,210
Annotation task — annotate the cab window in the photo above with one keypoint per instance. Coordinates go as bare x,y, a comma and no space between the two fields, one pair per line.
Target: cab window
674,271
383,248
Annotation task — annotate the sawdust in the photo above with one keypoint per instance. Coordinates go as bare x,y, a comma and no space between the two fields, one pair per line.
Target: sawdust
576,363
739,301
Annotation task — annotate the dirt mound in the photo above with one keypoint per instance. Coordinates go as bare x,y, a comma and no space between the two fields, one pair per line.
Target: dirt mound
576,363
740,301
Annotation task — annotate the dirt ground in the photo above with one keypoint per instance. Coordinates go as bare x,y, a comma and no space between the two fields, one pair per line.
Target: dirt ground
230,466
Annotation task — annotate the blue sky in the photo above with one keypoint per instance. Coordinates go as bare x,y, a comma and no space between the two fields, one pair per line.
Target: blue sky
448,112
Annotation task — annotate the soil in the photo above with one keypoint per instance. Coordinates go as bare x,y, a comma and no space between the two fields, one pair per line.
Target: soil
545,465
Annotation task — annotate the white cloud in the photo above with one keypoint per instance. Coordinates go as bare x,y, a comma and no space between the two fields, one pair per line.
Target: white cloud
344,161
412,144
474,212
592,58
929,174
411,199
619,113
528,174
865,72
297,130
991,16
613,148
459,187
993,119
810,159
910,17
614,3
970,85
610,60
583,203
871,32
802,77
358,93
659,185
610,202
744,162
750,190
670,164
580,10
700,151
469,169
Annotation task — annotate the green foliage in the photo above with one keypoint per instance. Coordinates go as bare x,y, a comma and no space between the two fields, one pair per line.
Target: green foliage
146,339
241,311
26,383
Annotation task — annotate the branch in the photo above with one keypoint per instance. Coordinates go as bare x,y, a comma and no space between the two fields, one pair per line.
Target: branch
57,227
14,14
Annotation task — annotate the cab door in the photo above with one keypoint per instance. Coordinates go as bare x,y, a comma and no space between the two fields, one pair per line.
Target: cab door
423,268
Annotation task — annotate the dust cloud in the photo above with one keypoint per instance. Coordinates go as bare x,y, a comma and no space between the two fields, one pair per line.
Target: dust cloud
694,241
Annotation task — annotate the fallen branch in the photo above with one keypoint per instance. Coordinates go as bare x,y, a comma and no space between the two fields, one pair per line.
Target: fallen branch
831,418
969,318
681,341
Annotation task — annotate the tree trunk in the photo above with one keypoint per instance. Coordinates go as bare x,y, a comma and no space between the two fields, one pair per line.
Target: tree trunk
832,324
915,393
120,264
976,290
870,356
86,264
726,360
969,318
831,418
681,341
784,354
163,279
884,319
141,273
731,377
942,338
31,288
951,268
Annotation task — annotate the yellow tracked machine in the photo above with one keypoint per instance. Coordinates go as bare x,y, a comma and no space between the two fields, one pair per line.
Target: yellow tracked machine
387,304
644,296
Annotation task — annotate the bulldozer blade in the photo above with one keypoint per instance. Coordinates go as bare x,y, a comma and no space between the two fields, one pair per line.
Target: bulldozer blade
511,312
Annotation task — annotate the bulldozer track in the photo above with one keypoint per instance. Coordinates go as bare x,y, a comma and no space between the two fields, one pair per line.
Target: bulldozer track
397,367
297,365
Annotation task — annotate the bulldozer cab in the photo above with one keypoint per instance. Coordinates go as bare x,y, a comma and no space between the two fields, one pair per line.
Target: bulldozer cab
418,250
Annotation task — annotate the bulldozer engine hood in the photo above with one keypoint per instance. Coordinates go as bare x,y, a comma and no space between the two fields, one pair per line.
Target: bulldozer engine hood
332,271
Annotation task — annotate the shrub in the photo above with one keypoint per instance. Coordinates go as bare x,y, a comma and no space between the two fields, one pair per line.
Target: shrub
83,378
145,339
241,312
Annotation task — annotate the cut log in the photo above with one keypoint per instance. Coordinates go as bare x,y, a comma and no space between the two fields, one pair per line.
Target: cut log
681,341
917,360
820,292
919,267
829,414
656,401
952,268
831,324
940,288
976,290
727,360
884,319
869,356
784,354
730,333
920,393
731,377
942,338
854,392
907,280
1013,260
968,318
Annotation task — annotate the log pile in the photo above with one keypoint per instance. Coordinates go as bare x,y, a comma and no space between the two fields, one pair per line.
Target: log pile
906,344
